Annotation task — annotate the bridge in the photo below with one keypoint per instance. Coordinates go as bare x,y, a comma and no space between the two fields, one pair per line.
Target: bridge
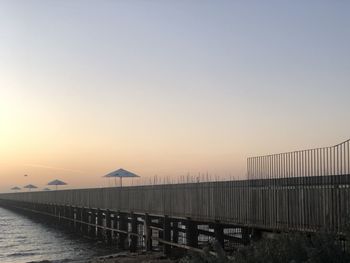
304,191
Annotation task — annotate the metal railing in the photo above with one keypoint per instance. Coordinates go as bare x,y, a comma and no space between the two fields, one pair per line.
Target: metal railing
334,160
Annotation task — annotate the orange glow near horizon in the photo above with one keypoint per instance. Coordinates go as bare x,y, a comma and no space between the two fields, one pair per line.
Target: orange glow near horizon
166,90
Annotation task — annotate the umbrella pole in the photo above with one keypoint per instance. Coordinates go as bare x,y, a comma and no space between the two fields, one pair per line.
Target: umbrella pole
115,181
121,181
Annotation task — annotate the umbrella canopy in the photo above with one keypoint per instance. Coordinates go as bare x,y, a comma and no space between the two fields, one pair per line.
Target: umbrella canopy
30,187
121,173
15,188
56,183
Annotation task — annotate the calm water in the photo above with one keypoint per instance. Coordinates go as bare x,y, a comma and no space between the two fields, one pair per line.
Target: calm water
23,239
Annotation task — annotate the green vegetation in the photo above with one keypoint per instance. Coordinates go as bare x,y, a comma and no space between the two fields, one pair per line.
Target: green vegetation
284,248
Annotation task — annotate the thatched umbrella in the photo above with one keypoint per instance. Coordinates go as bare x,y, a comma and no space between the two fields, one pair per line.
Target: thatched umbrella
16,188
57,183
121,173
30,187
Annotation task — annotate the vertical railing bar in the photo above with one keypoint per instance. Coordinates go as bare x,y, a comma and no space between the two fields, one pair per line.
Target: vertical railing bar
315,162
288,189
338,215
308,163
325,174
293,191
256,168
348,171
302,188
332,184
312,161
271,191
253,168
298,192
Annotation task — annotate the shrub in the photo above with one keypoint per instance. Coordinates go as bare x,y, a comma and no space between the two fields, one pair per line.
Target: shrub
322,247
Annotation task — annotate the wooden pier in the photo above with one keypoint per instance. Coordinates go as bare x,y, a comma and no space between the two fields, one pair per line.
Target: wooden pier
308,192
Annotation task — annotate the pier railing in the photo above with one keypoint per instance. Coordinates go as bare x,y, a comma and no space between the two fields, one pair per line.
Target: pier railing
303,191
302,188
317,162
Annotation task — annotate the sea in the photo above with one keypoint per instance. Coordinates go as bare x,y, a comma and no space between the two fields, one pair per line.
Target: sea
24,239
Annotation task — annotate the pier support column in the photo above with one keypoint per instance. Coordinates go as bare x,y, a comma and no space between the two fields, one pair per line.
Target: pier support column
65,215
78,216
122,226
53,212
175,227
167,235
99,224
160,223
58,213
256,234
50,209
92,227
133,238
114,220
85,220
219,234
71,217
64,212
148,233
75,219
191,233
246,235
109,226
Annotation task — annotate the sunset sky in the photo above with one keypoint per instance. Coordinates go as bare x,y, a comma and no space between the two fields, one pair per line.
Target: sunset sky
167,88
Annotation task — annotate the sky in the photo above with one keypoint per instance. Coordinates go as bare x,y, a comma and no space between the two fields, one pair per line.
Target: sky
167,88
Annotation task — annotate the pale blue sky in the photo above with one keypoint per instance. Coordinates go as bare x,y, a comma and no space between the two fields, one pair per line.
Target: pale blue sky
170,86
